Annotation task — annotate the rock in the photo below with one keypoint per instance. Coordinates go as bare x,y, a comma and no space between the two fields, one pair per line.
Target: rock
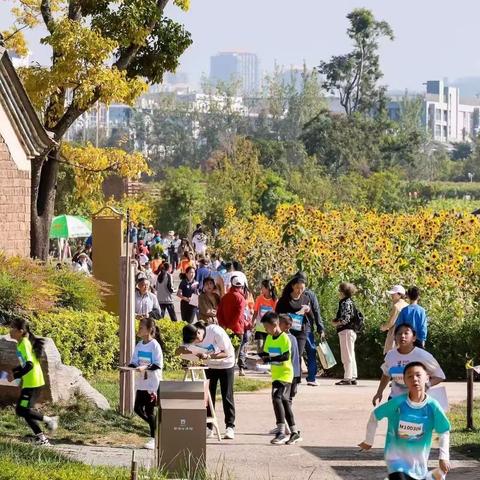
62,382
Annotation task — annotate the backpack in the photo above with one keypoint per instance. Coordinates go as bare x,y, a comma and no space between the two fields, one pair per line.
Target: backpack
358,321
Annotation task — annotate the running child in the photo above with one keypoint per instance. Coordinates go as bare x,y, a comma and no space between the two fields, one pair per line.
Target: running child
147,359
278,353
396,359
29,351
412,419
265,302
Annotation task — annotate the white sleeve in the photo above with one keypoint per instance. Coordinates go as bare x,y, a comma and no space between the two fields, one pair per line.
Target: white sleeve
371,429
221,339
158,355
384,369
444,446
134,359
434,368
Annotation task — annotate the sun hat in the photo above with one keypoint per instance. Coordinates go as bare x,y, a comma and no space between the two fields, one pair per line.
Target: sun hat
397,289
237,282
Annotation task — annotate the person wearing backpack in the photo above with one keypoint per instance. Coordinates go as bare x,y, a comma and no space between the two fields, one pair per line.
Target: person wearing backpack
349,322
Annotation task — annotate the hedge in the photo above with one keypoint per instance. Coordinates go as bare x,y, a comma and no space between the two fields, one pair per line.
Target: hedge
431,190
86,340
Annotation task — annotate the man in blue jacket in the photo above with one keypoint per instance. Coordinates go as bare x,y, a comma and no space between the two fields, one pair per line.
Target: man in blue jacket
415,316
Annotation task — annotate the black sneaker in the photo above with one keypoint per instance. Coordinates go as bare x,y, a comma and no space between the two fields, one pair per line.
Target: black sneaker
280,439
294,438
353,382
344,382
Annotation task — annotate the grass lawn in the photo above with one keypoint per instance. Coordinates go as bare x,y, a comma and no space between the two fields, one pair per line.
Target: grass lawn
83,424
462,440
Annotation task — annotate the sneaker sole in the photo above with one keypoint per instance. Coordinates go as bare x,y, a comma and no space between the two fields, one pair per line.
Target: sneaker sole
295,441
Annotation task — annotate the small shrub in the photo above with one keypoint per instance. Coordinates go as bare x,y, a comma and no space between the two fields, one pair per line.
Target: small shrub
86,340
171,333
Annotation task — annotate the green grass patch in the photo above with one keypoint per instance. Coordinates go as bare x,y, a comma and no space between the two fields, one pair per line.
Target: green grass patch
463,440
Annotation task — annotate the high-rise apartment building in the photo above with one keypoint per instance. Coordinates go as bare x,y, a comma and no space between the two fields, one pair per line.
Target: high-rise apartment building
236,66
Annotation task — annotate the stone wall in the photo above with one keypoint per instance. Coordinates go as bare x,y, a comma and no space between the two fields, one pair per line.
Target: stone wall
14,205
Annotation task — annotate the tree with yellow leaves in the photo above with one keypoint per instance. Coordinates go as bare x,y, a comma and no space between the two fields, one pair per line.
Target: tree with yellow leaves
101,51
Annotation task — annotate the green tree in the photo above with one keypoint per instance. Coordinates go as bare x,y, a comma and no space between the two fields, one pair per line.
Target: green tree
100,52
355,75
182,201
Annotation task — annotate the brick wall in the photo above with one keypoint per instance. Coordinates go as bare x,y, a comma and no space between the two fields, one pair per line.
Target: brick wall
14,205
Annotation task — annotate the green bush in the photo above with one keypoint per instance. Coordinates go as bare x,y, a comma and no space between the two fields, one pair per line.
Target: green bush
431,190
76,291
86,340
171,333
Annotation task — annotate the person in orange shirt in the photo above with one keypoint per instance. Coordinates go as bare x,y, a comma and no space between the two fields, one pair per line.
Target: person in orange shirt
186,262
266,301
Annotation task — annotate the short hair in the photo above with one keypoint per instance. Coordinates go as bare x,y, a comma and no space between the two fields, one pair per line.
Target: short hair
271,318
284,318
413,293
398,327
237,266
209,280
348,289
412,365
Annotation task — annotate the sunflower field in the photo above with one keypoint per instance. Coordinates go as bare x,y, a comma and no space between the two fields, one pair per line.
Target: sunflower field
437,251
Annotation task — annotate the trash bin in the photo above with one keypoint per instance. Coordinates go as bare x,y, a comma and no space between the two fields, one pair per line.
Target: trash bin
181,432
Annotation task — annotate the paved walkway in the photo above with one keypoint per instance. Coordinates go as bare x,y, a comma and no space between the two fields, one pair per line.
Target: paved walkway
332,420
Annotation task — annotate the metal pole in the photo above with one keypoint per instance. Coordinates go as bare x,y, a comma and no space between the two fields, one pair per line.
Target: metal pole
134,470
470,398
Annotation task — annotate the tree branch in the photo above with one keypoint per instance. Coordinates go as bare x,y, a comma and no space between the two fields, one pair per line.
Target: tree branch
129,54
110,168
74,10
46,10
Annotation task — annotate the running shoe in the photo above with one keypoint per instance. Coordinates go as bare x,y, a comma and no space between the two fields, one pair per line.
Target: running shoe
280,439
294,438
42,441
52,424
229,433
312,383
344,382
275,430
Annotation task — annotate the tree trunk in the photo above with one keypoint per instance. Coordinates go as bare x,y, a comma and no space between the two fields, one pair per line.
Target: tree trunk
44,180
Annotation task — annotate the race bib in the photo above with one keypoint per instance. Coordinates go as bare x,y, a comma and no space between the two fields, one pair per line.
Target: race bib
297,321
410,430
145,358
396,374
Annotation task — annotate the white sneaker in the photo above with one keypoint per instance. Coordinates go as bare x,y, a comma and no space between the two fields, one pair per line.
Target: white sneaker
274,431
41,440
209,432
52,423
150,445
280,439
313,383
229,434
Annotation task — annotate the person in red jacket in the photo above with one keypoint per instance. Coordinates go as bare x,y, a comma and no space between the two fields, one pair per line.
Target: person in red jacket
231,316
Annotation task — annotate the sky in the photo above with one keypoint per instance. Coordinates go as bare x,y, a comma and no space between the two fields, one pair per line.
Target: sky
433,39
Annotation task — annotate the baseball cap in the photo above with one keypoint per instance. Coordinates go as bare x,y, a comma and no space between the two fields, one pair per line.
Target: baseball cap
397,289
237,282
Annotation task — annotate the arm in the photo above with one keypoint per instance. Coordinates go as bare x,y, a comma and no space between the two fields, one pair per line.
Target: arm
346,313
317,317
391,320
444,452
19,372
278,358
370,433
381,387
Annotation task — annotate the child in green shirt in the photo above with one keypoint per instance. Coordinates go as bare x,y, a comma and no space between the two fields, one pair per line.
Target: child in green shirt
29,350
277,352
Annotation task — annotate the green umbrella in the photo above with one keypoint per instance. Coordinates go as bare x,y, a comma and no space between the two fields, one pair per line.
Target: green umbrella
70,226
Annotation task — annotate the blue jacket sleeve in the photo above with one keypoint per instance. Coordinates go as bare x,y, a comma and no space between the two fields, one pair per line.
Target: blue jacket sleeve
423,328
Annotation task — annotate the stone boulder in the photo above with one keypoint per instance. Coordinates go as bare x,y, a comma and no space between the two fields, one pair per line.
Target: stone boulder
62,382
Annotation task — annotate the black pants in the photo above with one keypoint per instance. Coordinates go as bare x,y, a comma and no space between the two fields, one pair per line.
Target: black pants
282,403
187,311
145,408
170,308
226,376
24,410
301,340
399,476
241,350
173,260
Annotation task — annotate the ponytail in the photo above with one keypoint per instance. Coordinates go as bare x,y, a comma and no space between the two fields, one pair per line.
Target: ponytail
150,324
270,286
37,343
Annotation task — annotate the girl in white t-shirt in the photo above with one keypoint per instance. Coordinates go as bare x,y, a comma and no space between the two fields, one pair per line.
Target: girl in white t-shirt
147,360
397,359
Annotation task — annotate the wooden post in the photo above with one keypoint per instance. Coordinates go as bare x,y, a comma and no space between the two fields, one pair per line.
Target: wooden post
134,470
470,425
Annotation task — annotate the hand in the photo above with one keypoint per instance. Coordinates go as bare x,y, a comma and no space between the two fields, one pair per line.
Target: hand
203,356
364,446
376,399
384,328
444,465
322,335
141,368
10,377
306,308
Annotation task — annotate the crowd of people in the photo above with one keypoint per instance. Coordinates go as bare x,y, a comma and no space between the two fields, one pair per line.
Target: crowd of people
221,314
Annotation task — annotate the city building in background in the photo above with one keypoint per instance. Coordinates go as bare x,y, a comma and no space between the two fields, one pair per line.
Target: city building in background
236,66
447,117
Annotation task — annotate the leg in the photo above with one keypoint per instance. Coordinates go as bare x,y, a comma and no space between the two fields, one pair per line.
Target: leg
349,340
278,407
141,400
227,379
301,340
353,338
344,355
150,413
260,341
311,357
163,307
24,410
171,312
287,406
213,377
242,354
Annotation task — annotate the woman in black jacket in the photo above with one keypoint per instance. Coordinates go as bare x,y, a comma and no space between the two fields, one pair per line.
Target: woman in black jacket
295,303
345,323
